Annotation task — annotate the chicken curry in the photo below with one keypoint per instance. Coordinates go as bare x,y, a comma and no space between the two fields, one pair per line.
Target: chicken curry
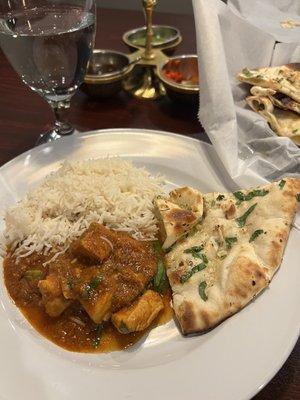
102,294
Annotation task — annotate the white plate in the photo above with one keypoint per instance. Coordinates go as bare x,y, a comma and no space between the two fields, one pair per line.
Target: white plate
233,361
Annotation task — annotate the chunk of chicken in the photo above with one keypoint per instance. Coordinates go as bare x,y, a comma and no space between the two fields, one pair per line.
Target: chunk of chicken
50,287
54,302
129,285
93,244
139,315
98,308
68,278
56,306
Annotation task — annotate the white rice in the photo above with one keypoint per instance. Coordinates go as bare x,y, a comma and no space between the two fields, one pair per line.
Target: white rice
110,191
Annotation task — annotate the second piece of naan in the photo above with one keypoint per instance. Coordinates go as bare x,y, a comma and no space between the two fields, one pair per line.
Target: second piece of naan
278,99
284,79
283,122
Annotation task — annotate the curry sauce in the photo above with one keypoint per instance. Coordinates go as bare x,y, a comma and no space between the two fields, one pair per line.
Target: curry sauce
74,327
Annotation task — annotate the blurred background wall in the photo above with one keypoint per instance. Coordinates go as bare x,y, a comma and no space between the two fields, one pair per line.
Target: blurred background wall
171,6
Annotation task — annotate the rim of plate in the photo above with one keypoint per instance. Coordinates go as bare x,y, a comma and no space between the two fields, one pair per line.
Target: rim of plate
80,135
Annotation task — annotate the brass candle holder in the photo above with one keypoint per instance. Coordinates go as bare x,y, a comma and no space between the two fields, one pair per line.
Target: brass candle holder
144,83
143,73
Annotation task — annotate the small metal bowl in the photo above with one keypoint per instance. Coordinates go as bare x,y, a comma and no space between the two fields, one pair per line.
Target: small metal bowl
106,71
188,88
166,38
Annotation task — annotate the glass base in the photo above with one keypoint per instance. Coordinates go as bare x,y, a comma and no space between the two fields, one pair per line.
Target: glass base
52,135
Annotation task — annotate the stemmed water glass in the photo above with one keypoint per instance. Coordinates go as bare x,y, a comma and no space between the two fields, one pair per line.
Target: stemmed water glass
49,43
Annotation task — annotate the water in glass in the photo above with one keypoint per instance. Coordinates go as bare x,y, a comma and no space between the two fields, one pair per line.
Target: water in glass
49,47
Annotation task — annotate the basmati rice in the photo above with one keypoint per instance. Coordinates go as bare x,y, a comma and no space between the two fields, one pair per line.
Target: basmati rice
110,191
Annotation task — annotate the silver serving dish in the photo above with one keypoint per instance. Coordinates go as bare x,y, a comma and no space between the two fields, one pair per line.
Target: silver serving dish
185,66
165,38
106,71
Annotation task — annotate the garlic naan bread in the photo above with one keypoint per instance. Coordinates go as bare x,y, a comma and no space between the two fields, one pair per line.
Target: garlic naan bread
283,122
278,99
179,214
284,79
232,254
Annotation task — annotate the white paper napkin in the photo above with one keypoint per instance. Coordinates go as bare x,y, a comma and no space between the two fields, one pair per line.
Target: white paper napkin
227,42
268,15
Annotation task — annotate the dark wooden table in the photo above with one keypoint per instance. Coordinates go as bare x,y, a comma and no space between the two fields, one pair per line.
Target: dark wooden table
24,115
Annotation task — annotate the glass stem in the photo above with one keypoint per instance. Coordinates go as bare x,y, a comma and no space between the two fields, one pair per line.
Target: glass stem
61,110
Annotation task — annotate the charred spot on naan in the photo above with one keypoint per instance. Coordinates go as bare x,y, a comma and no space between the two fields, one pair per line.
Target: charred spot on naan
175,276
239,293
206,319
230,211
290,190
181,219
174,222
243,272
189,318
178,214
274,254
292,187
